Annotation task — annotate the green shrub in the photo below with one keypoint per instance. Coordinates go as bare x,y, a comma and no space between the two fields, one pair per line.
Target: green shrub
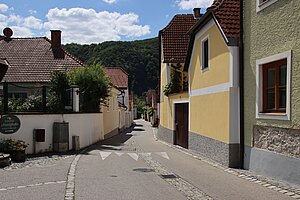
94,87
58,96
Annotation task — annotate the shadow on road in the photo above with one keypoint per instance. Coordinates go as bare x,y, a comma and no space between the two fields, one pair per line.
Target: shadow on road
116,142
139,125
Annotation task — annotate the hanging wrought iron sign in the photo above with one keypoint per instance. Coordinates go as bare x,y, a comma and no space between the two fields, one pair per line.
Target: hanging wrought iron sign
9,124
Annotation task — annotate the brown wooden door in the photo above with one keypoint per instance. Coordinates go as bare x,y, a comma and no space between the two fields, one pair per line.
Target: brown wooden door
181,124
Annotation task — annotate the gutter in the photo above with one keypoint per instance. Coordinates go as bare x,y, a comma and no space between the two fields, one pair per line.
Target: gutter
241,80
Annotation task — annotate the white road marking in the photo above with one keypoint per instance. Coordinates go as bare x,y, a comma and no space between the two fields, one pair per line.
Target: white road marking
154,131
145,154
134,156
31,185
119,154
112,147
163,154
104,154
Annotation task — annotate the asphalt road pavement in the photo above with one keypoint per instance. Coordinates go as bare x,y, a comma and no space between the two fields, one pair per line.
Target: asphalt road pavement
130,166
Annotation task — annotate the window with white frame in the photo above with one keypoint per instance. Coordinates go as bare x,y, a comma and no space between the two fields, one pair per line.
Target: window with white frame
273,87
205,53
262,4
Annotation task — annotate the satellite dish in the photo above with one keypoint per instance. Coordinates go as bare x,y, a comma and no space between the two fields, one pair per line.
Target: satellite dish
7,32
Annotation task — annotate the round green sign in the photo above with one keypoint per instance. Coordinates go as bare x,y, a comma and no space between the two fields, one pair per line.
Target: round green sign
9,124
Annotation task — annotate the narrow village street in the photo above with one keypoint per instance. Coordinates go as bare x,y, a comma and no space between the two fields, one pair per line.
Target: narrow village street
132,165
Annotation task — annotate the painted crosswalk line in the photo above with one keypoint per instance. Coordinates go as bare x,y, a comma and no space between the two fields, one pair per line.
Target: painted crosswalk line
111,147
104,154
119,154
135,156
163,154
145,154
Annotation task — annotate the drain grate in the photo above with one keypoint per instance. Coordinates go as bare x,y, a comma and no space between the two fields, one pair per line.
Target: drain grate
168,176
143,170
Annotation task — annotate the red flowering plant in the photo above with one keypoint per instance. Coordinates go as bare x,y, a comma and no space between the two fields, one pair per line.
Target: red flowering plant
13,145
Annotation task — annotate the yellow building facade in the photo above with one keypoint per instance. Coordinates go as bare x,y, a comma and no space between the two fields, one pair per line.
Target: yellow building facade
174,40
206,118
214,96
113,115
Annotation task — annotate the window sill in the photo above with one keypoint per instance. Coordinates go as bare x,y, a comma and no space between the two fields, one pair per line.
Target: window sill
261,6
263,3
273,116
205,69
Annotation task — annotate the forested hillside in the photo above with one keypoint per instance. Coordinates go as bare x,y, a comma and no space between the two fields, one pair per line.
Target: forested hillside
139,58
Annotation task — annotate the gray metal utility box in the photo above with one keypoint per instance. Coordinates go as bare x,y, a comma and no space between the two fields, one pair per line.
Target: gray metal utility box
60,136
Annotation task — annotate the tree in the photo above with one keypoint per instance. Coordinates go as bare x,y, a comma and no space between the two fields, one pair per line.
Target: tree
94,86
58,96
140,59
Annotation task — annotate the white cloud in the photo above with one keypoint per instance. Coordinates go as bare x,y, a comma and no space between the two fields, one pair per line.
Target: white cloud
17,23
110,1
88,26
21,31
32,12
78,25
32,22
3,17
15,19
190,4
3,7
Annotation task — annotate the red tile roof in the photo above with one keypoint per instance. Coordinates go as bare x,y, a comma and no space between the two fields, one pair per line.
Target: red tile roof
119,78
175,38
33,59
227,13
3,68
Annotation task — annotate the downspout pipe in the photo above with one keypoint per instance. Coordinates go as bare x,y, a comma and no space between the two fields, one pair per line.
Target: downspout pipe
241,80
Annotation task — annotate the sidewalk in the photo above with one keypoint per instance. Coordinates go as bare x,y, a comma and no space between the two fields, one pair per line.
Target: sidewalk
214,180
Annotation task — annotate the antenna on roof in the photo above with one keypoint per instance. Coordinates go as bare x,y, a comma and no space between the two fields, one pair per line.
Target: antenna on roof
7,32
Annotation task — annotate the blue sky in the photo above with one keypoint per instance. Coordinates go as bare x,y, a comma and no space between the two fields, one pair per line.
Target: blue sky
92,21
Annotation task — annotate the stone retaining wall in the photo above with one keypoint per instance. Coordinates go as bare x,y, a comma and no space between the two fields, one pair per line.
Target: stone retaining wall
280,140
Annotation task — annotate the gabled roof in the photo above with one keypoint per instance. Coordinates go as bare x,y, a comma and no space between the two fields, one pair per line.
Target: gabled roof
226,14
3,68
174,38
119,78
33,59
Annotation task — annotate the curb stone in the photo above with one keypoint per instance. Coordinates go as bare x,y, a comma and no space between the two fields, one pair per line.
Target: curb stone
190,191
70,183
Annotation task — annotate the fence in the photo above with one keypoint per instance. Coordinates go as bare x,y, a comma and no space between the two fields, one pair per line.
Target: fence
30,97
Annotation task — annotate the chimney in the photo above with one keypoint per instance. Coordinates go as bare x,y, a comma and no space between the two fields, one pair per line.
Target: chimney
197,14
55,38
7,32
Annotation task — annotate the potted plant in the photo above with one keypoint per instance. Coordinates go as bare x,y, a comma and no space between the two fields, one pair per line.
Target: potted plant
16,149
